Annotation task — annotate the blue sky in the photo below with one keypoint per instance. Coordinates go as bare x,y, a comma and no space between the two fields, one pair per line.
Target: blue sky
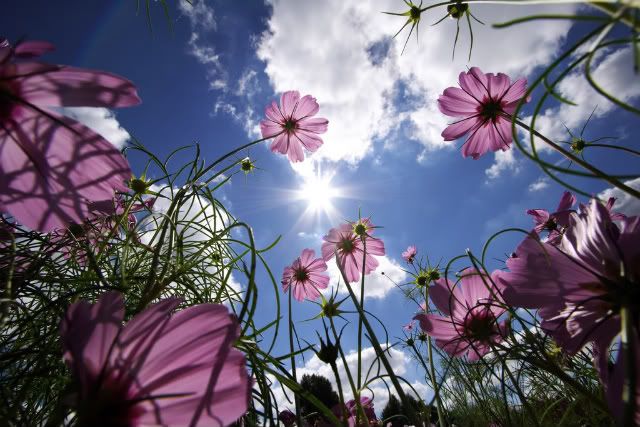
210,79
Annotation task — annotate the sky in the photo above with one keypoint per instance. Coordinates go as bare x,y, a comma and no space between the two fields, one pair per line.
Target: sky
208,78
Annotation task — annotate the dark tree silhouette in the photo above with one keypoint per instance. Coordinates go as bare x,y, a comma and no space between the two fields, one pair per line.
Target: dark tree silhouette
321,388
395,407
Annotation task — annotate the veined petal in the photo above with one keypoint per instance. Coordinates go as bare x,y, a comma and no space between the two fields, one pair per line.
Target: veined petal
52,167
288,102
314,124
460,128
32,48
72,87
457,103
307,106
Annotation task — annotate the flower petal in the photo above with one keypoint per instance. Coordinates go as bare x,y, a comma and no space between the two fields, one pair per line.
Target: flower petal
71,87
461,127
457,103
51,167
307,106
315,125
288,103
87,333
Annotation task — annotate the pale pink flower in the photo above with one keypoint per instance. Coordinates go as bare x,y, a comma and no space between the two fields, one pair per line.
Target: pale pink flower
292,125
350,246
554,223
470,323
51,165
306,276
410,254
103,223
409,327
484,103
158,369
580,284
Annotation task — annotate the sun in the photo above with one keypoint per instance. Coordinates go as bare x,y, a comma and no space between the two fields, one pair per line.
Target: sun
319,193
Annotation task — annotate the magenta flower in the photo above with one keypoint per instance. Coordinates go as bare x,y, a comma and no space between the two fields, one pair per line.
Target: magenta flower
470,322
349,241
305,276
293,126
556,222
410,254
158,369
351,412
484,103
580,284
51,165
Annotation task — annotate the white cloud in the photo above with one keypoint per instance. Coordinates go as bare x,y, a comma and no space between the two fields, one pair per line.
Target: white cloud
625,203
400,362
196,220
101,120
202,22
613,72
198,223
200,15
329,57
504,161
539,184
376,284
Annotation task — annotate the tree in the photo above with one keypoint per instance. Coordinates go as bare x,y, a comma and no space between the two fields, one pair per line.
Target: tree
394,408
321,388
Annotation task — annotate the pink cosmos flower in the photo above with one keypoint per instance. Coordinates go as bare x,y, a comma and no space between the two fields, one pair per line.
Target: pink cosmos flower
305,276
351,411
350,245
409,327
158,369
293,126
580,284
51,165
470,322
103,222
615,216
556,222
410,254
484,104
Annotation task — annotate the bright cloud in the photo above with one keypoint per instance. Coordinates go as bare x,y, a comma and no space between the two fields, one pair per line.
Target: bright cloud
400,362
101,120
202,21
613,72
356,72
377,284
504,161
625,203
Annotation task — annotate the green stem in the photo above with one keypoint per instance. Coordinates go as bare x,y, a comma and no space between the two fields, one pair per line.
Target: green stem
334,368
293,362
375,343
364,255
434,382
629,365
354,390
577,160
